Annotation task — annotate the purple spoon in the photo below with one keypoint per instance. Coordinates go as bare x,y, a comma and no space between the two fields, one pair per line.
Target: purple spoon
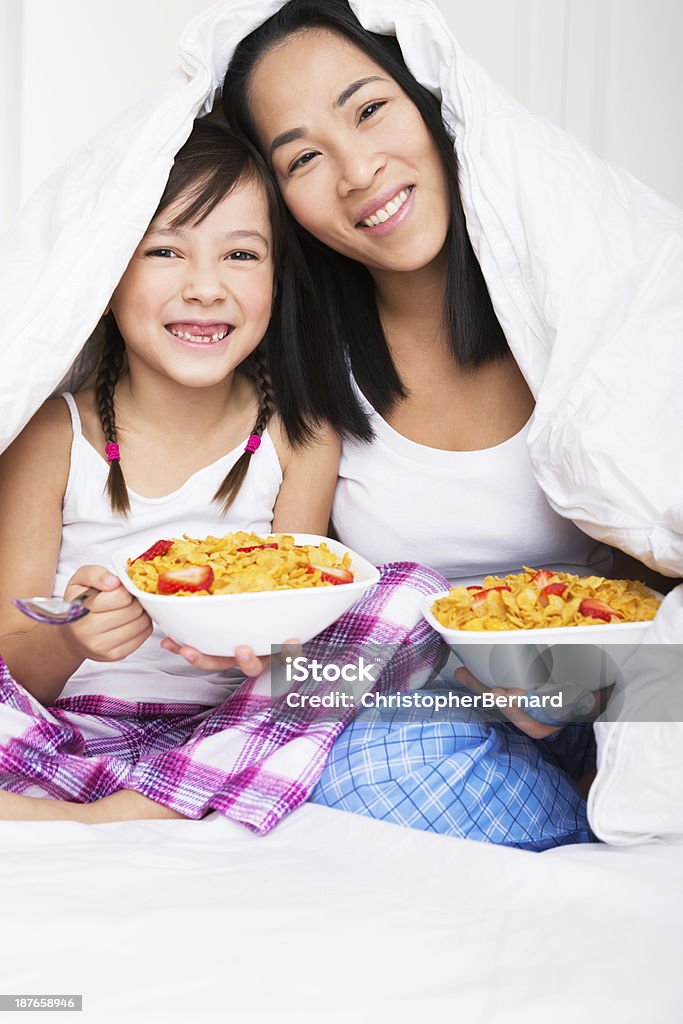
55,611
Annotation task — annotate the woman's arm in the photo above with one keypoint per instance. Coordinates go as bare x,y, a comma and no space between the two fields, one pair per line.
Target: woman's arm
310,474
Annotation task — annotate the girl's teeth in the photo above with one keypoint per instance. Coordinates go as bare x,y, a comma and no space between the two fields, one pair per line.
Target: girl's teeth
199,338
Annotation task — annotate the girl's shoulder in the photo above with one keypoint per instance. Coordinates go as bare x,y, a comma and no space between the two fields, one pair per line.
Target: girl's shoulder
49,429
40,455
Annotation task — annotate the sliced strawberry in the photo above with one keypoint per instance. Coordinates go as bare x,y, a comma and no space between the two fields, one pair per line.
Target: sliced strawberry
482,595
195,577
332,575
257,547
552,588
595,609
478,587
160,547
542,578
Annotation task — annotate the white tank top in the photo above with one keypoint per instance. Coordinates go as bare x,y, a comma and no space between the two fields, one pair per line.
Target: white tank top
91,532
465,514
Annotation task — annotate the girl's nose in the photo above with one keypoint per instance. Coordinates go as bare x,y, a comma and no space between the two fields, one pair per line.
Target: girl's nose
204,285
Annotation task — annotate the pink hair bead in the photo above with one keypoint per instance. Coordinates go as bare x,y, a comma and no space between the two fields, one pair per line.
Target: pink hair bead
112,452
252,444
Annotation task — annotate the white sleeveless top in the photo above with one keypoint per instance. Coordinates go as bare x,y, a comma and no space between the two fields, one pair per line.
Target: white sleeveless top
465,514
91,532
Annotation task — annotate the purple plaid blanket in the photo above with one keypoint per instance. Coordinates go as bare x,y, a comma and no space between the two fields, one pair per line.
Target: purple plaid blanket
254,758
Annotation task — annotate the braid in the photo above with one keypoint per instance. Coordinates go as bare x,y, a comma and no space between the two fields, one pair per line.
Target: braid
108,372
228,490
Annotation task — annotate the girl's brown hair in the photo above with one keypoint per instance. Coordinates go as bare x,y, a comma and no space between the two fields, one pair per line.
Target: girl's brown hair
211,164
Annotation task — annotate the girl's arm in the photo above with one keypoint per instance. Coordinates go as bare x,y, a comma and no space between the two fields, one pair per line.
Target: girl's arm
310,474
33,476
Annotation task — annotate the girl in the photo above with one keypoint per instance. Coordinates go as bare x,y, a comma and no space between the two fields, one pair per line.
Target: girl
181,385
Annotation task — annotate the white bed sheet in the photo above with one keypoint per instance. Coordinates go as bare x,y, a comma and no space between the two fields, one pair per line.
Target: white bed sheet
334,917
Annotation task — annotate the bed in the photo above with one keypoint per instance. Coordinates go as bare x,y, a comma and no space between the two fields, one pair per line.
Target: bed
334,917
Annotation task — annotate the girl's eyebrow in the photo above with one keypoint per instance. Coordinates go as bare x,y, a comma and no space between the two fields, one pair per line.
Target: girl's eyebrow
243,233
294,134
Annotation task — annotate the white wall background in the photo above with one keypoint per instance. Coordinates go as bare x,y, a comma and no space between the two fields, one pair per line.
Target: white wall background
609,71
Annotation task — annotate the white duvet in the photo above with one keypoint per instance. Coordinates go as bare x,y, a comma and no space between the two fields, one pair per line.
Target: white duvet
335,919
583,263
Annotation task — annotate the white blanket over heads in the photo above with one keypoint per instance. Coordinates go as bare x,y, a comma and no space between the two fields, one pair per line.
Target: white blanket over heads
584,266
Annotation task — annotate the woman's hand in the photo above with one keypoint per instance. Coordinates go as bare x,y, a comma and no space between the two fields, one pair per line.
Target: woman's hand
245,659
527,724
117,624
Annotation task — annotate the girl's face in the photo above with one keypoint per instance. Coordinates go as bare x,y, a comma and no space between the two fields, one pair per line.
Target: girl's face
352,156
195,300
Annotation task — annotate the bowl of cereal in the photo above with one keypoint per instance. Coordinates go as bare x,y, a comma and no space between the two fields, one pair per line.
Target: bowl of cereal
535,628
216,593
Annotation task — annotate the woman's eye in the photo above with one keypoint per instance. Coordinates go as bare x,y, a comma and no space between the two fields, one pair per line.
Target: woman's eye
164,253
240,256
302,161
371,109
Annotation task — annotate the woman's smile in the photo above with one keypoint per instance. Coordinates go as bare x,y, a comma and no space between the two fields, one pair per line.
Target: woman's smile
385,218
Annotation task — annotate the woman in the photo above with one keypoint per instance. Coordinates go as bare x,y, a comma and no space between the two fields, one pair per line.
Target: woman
435,412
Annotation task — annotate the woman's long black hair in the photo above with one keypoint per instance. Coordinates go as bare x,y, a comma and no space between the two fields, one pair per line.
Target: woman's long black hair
329,312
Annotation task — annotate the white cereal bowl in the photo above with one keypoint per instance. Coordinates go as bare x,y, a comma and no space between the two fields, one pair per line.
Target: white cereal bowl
591,656
216,624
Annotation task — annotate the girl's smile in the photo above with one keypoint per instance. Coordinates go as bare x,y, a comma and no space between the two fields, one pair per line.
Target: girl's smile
201,333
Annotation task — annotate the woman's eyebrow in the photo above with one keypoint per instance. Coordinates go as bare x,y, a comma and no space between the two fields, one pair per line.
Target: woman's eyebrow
354,87
294,134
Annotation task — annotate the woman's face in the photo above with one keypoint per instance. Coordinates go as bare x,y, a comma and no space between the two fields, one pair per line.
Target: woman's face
352,156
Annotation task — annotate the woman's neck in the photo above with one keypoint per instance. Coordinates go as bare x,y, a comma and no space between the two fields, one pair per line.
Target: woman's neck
410,306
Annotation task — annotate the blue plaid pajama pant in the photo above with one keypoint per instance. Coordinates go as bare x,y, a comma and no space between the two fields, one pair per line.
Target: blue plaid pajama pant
462,777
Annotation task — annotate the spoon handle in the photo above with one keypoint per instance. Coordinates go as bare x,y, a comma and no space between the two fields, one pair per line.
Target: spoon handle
86,595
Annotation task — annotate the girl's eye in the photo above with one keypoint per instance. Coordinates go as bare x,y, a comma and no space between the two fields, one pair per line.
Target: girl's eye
240,256
302,161
371,109
164,253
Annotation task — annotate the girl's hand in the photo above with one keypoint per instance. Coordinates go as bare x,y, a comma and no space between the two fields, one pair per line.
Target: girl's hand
117,624
527,724
245,659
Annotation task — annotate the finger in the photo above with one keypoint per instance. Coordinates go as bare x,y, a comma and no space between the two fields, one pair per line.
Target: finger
122,650
105,619
208,662
464,676
248,663
118,643
91,576
290,649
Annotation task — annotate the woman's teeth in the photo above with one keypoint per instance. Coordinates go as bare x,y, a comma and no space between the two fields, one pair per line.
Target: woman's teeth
392,207
200,338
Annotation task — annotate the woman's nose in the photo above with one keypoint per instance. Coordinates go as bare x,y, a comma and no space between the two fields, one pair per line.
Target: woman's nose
358,170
